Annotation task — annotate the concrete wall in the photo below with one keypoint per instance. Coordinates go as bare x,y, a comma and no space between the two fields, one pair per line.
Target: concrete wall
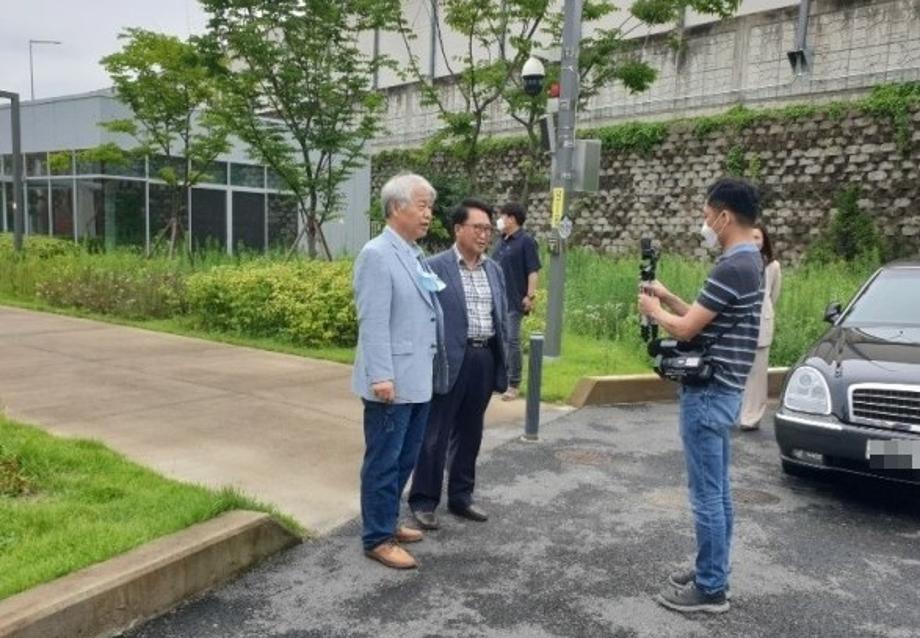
801,165
857,44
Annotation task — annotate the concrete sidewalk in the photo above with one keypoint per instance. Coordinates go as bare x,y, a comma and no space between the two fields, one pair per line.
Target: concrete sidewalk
282,428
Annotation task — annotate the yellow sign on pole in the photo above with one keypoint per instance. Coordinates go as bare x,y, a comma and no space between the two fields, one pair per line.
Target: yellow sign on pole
558,203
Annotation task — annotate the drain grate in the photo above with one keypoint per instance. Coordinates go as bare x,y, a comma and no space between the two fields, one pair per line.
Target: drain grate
754,497
583,456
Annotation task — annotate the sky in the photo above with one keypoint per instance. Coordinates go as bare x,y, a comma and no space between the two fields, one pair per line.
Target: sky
87,30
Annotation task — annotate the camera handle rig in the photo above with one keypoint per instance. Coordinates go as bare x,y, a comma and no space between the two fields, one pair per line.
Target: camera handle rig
647,268
674,360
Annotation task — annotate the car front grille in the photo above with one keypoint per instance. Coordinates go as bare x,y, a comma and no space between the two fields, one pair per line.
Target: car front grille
887,406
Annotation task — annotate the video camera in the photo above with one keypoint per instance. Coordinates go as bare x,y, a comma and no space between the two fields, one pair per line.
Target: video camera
684,362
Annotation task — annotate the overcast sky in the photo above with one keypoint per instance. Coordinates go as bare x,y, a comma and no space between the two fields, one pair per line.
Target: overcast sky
87,30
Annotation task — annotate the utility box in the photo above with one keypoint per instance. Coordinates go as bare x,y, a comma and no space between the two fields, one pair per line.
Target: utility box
587,165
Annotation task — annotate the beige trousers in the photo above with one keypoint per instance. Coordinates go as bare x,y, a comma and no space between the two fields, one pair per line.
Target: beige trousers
755,389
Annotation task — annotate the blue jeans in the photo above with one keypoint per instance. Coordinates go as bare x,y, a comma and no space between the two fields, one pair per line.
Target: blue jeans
392,436
706,415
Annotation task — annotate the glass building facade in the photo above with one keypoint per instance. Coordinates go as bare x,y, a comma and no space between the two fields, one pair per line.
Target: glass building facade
235,206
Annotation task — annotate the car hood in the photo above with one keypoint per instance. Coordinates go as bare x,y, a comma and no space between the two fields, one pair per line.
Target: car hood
883,354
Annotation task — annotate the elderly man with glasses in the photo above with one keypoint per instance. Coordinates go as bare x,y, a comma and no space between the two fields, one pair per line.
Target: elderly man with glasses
475,329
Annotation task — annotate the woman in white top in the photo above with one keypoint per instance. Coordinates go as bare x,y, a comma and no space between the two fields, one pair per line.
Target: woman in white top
755,390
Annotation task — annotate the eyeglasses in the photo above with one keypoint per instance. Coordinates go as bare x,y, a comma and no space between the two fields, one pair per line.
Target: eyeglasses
480,229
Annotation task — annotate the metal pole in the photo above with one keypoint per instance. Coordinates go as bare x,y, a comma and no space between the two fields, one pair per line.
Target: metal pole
801,29
16,139
534,379
563,170
31,73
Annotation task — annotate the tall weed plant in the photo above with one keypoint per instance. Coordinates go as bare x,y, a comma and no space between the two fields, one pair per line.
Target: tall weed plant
601,295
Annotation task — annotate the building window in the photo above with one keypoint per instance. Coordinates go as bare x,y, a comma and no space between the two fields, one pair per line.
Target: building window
282,220
36,164
37,194
215,173
62,208
209,218
61,163
162,200
111,212
248,221
247,175
160,163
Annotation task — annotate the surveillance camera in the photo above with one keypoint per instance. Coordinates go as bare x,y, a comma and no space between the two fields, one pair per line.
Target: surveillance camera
533,74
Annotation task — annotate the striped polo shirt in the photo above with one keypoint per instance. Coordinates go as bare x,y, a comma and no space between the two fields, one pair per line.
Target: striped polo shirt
734,291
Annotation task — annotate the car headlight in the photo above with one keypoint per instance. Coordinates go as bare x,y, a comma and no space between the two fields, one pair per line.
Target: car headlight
807,391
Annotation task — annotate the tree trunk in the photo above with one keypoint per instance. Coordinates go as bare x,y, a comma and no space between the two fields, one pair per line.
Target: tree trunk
322,239
310,225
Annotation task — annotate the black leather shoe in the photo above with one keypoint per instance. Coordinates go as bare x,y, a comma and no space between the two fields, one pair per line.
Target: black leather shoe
426,520
470,512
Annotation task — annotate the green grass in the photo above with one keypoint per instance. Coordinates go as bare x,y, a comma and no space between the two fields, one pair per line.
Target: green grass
583,356
601,332
66,504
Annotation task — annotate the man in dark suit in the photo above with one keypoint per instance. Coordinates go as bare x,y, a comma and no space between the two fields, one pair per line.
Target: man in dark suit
476,328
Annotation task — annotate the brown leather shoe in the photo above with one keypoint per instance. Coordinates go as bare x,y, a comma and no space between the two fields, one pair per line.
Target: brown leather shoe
408,534
392,555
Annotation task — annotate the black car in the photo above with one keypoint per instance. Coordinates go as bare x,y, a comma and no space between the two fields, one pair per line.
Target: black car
852,403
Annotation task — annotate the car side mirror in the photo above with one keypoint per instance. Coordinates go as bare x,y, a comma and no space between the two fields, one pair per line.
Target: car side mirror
832,312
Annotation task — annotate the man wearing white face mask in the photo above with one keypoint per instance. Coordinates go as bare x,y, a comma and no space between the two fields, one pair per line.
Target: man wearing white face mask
724,322
517,253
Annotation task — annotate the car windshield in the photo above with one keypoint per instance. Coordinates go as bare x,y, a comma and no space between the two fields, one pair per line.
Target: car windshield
892,299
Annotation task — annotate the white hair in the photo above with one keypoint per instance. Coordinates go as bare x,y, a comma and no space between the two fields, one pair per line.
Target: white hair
399,188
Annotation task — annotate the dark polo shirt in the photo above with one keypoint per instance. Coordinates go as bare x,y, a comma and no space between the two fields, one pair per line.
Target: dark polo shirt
518,256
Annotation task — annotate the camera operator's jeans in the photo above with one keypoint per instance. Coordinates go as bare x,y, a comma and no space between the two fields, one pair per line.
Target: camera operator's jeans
707,413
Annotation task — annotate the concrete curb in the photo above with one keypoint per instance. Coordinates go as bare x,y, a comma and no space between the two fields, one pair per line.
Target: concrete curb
111,597
640,388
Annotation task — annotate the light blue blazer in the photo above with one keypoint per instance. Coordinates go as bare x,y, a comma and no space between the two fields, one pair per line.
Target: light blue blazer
398,323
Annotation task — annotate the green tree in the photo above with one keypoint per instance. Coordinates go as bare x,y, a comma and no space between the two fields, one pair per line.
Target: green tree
168,86
298,90
500,35
850,235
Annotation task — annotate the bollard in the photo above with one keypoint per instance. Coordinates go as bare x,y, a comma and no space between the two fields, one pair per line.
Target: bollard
534,377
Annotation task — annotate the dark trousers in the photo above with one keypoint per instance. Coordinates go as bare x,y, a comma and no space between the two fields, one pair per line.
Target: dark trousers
454,435
392,436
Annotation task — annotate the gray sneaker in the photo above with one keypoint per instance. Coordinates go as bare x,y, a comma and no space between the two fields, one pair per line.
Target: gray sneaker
683,577
689,599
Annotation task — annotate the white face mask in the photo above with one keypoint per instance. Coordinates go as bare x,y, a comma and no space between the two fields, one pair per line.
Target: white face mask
500,224
710,237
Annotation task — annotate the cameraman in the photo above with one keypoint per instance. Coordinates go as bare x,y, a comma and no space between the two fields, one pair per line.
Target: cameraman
724,321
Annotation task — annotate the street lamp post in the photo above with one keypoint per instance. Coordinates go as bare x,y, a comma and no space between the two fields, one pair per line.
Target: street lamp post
16,138
564,169
31,66
563,182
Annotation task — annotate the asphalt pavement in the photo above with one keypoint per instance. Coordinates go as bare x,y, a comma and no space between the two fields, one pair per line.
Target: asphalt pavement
584,528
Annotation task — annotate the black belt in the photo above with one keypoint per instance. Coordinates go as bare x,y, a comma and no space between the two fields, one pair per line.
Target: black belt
480,342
